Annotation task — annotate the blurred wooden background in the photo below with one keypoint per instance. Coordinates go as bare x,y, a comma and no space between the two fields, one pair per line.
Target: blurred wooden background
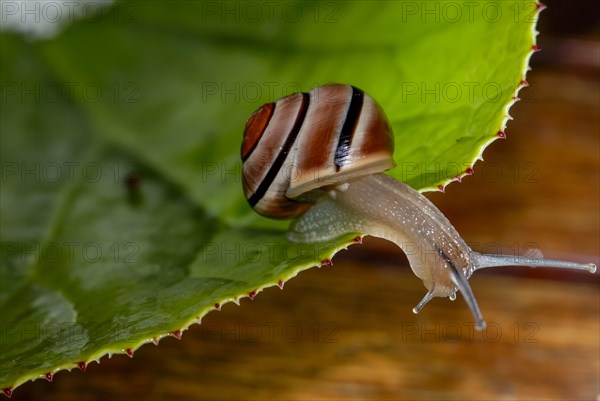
347,331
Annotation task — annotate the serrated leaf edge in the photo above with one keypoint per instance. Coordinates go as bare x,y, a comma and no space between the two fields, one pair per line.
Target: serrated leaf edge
177,331
500,132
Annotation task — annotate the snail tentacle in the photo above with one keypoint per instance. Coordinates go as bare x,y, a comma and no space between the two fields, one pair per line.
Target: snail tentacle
481,261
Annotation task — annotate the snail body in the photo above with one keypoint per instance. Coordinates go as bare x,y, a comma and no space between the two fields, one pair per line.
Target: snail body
319,157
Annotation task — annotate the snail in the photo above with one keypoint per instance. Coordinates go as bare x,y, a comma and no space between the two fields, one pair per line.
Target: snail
319,157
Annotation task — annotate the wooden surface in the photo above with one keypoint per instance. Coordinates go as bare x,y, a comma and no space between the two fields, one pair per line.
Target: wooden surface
347,331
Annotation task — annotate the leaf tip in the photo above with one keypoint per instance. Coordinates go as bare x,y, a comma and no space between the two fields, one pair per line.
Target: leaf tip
177,334
218,307
82,365
470,171
8,391
49,376
129,352
541,7
280,284
252,294
441,188
357,240
326,262
501,134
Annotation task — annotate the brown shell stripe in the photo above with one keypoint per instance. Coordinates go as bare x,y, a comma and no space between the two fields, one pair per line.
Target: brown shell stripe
342,151
263,187
255,128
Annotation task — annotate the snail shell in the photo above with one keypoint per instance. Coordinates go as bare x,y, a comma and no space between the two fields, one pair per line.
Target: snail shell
306,141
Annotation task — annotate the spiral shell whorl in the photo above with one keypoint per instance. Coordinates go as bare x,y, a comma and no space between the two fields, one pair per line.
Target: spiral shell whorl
304,141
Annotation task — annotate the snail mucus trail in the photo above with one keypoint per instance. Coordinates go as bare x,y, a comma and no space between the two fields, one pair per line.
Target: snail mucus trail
319,157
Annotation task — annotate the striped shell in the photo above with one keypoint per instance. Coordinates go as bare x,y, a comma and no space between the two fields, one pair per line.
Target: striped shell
331,135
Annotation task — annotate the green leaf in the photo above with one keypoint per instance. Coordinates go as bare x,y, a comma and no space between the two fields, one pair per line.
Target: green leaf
123,218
